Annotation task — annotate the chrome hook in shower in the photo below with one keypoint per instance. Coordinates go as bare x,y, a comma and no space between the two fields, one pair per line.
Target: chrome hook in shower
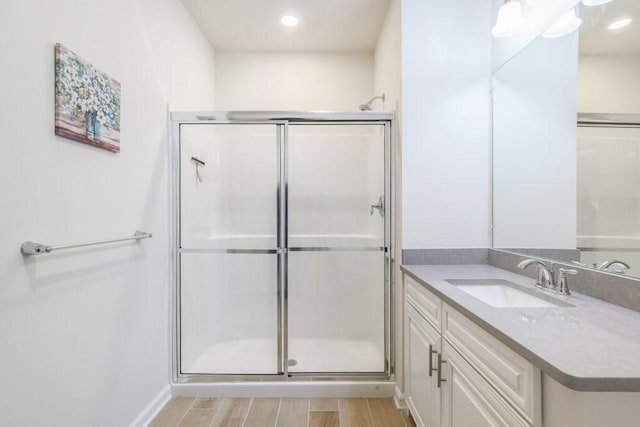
198,163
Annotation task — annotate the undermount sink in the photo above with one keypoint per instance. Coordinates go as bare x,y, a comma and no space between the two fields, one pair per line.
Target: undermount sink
502,293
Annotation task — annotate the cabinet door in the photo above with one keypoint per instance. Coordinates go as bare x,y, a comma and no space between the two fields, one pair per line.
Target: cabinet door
468,400
423,342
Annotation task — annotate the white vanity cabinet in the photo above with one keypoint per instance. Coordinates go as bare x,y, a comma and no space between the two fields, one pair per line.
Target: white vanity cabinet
423,346
457,375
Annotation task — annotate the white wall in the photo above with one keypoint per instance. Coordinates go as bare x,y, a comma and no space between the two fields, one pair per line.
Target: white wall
181,56
388,59
609,84
446,66
534,146
84,334
292,81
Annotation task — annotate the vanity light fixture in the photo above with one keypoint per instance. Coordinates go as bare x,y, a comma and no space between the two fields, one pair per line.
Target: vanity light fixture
289,20
566,24
620,23
509,21
595,2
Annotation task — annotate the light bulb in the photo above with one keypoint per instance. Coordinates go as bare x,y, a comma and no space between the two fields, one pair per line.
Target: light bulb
566,24
509,20
595,2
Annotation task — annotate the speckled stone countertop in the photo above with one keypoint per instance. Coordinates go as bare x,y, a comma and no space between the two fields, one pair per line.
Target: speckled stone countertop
594,346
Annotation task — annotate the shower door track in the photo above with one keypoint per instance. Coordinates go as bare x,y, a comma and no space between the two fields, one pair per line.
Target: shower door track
282,122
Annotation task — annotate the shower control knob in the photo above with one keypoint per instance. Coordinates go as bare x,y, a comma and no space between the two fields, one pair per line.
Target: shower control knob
379,206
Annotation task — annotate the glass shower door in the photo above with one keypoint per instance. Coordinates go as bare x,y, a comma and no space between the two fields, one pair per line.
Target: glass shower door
336,248
229,312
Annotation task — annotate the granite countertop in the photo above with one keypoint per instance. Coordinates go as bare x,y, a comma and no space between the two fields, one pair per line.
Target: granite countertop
594,346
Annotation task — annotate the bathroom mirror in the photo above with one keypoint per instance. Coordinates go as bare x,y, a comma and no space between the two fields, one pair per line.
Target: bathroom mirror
566,144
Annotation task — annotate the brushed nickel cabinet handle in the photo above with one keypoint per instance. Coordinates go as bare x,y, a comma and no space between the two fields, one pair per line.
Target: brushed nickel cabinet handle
431,353
440,363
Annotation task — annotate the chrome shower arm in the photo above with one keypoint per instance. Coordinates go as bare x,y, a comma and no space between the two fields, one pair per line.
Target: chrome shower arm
367,106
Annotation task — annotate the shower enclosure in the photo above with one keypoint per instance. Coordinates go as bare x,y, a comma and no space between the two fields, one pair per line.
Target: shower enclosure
282,243
608,189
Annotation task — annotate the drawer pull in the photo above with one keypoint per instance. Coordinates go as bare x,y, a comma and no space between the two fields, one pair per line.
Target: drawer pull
431,353
440,363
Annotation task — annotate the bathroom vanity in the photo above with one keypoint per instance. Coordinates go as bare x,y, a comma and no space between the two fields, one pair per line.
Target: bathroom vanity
548,360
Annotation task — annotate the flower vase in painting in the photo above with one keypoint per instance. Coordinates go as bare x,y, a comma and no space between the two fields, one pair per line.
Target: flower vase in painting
87,102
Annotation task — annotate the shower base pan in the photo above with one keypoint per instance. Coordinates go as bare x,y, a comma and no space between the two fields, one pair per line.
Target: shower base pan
259,356
318,357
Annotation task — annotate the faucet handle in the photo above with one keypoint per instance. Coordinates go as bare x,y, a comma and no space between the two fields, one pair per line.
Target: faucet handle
563,286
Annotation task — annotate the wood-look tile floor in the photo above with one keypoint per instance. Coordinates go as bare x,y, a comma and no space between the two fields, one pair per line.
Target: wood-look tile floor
285,412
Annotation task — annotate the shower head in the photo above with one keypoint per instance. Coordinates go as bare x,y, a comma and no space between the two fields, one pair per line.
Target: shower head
367,106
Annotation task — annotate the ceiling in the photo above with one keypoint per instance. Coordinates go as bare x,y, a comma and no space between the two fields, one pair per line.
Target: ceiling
596,39
324,25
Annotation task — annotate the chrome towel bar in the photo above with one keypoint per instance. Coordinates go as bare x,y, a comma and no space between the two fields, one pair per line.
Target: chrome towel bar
33,248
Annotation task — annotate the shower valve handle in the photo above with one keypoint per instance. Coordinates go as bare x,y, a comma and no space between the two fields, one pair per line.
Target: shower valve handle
379,206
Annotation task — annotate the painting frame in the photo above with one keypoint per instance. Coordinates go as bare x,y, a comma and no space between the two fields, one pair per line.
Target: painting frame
87,102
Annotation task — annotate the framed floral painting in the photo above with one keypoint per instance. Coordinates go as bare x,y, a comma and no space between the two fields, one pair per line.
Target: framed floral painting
87,102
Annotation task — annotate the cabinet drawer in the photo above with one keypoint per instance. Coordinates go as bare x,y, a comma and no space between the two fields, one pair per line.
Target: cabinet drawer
469,400
512,376
427,304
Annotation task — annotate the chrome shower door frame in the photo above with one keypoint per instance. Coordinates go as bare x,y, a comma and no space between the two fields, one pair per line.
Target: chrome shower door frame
281,120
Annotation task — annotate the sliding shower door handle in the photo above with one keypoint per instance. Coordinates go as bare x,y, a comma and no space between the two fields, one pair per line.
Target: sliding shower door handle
379,206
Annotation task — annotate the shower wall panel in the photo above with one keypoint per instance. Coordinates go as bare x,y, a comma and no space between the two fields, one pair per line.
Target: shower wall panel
335,174
336,301
233,205
229,303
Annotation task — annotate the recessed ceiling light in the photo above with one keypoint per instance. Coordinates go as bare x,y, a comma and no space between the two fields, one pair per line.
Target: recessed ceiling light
620,23
595,2
289,21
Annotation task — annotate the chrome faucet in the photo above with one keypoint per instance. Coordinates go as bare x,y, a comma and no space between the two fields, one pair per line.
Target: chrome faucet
608,263
546,277
545,274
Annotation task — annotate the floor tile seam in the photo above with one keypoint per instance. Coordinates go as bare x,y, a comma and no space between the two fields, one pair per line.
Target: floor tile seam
246,416
217,411
187,411
370,413
275,422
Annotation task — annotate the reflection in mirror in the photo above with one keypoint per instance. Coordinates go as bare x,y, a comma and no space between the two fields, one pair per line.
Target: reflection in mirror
563,191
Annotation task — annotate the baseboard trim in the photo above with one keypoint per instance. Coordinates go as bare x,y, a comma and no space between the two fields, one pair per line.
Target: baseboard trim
398,399
151,410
